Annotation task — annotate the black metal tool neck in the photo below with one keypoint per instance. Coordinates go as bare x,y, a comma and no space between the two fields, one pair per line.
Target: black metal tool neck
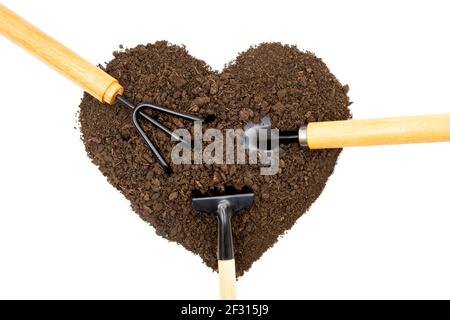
288,136
225,249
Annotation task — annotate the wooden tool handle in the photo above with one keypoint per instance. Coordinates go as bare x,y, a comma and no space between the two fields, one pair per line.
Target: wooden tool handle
92,79
227,279
403,130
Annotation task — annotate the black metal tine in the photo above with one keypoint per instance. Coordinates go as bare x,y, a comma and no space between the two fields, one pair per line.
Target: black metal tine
175,113
157,124
137,112
162,127
153,148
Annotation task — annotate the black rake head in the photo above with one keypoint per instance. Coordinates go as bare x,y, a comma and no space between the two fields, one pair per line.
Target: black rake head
138,113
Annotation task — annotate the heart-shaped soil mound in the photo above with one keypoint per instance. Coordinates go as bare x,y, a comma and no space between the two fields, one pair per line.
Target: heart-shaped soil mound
290,86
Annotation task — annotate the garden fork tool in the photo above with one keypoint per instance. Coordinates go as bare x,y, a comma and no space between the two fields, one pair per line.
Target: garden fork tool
92,79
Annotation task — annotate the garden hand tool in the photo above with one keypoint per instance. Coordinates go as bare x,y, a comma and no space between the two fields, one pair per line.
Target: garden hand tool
92,79
350,133
224,206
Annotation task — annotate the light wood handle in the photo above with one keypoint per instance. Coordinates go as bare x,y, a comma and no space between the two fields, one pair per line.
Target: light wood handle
92,79
227,279
402,130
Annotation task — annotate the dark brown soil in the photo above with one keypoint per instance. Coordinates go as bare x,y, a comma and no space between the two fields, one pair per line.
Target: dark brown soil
290,86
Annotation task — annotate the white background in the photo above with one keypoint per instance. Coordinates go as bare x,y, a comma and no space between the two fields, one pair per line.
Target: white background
379,230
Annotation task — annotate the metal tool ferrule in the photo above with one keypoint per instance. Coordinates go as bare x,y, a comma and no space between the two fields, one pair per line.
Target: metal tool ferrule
302,136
